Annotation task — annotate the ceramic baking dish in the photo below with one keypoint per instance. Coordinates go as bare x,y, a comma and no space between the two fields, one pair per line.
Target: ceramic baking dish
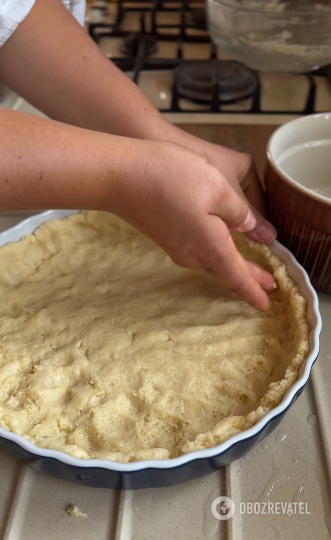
158,473
295,205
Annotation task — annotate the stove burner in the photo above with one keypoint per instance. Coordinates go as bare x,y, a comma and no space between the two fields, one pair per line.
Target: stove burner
196,18
196,80
131,44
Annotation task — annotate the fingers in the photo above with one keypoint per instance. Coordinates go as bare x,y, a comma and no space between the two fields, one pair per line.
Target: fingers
265,279
237,213
220,256
264,232
251,187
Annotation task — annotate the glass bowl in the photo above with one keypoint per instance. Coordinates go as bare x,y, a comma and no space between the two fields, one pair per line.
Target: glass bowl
269,35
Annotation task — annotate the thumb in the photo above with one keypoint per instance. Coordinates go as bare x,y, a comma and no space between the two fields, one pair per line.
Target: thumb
233,209
238,214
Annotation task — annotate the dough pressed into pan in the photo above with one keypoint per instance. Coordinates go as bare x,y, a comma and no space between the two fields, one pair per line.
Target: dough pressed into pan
110,350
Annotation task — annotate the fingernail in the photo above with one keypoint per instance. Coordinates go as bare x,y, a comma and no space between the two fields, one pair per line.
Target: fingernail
266,233
249,223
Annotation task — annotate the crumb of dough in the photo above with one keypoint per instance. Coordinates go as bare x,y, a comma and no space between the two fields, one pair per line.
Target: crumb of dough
109,350
75,512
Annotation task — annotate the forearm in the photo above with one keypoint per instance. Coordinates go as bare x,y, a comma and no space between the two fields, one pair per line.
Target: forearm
52,62
46,164
169,193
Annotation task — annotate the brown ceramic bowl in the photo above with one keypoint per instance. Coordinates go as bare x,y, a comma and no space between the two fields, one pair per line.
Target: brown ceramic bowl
298,192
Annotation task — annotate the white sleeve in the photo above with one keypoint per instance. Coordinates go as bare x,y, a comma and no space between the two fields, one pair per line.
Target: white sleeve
77,8
12,13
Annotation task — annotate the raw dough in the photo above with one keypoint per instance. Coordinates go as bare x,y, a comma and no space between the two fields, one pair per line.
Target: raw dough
76,512
109,350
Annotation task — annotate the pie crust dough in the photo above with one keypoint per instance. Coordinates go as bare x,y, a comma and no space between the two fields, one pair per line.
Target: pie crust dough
109,350
75,512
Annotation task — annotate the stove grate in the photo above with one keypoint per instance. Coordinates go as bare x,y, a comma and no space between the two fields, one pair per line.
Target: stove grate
190,18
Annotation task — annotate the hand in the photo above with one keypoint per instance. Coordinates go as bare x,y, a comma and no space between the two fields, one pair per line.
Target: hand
239,169
186,205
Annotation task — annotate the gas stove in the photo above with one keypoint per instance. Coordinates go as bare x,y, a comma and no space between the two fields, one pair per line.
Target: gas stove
164,46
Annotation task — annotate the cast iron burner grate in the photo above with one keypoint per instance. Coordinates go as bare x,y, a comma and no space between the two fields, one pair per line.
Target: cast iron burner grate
196,81
139,48
136,43
196,18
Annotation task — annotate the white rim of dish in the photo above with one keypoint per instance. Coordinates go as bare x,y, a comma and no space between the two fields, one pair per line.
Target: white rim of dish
291,181
28,225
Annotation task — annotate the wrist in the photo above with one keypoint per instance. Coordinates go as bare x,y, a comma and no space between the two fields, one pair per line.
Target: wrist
127,165
168,132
